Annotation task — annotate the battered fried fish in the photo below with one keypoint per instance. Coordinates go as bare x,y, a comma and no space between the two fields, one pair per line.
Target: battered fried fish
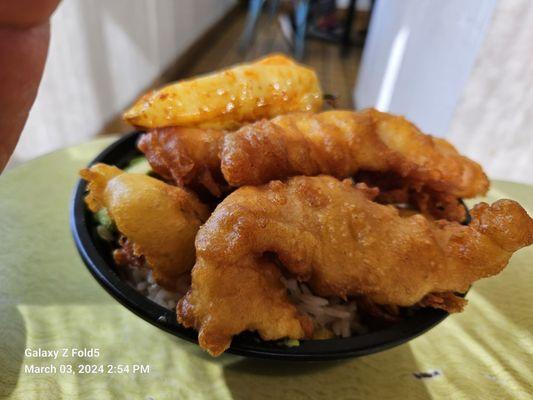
160,220
227,99
338,143
341,143
331,235
187,156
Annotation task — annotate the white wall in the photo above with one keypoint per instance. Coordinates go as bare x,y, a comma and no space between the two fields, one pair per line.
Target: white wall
493,122
466,73
418,57
102,54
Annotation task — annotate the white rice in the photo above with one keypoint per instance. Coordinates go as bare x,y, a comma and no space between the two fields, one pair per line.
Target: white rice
332,314
141,280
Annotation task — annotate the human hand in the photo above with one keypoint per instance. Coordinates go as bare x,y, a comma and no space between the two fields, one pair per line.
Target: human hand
24,38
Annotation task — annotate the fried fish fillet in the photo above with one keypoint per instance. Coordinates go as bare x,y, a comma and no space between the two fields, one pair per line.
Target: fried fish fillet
331,235
187,156
337,143
341,143
229,98
160,220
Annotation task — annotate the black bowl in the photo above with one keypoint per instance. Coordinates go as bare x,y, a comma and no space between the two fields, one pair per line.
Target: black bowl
97,257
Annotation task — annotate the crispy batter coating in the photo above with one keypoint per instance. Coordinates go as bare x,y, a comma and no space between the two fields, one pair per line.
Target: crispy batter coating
187,156
331,235
341,143
229,98
338,143
160,220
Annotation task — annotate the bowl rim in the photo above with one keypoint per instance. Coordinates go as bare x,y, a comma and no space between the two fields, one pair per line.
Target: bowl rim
248,345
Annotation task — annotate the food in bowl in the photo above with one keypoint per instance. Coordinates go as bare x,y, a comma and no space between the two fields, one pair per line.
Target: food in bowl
304,226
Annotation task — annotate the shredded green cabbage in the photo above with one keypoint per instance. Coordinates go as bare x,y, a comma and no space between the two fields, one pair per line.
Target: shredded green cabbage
292,342
139,165
102,218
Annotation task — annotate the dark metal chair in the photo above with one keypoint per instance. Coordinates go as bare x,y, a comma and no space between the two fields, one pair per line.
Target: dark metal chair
254,11
301,16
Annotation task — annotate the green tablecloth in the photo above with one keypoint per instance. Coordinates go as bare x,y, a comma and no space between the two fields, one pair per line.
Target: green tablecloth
48,300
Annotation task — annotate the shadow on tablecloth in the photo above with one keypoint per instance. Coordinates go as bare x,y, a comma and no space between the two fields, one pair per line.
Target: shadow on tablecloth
353,379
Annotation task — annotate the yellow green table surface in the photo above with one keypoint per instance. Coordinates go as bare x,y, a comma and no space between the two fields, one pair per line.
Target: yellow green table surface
48,300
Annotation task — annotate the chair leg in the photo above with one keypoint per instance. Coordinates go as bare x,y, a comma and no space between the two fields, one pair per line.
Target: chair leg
346,35
273,9
254,9
301,14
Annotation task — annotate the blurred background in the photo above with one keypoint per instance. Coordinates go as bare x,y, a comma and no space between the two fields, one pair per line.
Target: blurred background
462,70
